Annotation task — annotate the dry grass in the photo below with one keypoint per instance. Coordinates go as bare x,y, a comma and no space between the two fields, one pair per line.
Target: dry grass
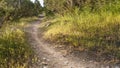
98,32
15,52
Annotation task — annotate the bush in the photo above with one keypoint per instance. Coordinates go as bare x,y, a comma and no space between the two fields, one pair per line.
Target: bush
14,51
98,32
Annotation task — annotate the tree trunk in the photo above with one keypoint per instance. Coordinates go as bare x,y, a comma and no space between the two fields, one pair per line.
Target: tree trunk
19,4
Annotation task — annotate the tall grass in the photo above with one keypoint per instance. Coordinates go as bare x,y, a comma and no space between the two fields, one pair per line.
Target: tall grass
98,32
20,22
15,51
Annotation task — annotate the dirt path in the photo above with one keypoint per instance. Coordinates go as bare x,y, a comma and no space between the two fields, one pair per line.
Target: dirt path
48,56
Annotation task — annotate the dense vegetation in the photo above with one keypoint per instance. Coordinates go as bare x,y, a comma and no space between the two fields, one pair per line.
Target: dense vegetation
90,25
83,5
15,9
15,51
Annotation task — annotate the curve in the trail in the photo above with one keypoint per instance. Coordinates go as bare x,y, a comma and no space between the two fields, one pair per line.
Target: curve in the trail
49,56
55,59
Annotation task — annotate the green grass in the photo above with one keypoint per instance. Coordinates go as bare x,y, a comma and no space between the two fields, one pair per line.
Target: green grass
20,22
97,32
15,51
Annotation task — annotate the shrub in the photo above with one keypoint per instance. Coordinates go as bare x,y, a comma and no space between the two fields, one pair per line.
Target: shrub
14,51
98,32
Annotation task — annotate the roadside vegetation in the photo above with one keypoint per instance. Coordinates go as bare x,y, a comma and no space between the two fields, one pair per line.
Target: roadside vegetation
90,25
15,51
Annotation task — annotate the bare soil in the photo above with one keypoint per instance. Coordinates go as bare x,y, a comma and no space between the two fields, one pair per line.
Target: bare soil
55,56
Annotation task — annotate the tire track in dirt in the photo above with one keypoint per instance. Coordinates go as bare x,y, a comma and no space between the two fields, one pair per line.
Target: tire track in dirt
53,59
48,56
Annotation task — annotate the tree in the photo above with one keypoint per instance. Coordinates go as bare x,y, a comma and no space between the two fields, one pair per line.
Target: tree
55,5
12,9
38,7
91,5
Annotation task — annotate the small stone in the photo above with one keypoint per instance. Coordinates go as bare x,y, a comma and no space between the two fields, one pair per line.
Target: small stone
48,60
107,66
45,67
44,63
90,61
44,58
83,60
60,46
66,62
39,60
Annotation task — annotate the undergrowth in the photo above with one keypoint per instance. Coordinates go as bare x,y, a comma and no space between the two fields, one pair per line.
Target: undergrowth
97,32
15,51
20,22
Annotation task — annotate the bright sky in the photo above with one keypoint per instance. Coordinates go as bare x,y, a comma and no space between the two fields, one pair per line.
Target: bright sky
41,2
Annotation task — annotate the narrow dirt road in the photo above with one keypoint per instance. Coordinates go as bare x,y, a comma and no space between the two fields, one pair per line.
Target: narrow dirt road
48,56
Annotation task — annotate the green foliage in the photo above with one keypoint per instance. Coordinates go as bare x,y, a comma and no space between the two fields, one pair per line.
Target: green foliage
98,32
55,5
37,7
15,9
83,5
14,51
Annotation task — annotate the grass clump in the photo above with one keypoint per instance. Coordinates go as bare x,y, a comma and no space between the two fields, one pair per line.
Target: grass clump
20,22
15,52
97,32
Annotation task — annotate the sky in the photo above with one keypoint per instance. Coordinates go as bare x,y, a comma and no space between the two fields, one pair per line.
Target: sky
41,2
